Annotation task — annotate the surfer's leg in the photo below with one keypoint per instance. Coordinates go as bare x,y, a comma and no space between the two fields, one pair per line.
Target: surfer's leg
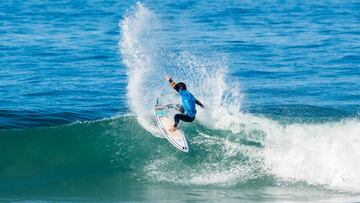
182,117
177,120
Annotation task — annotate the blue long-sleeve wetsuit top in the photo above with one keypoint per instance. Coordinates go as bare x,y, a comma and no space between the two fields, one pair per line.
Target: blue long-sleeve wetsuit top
188,102
187,99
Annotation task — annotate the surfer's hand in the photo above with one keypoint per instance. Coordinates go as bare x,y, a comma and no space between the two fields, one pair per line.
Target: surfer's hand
167,77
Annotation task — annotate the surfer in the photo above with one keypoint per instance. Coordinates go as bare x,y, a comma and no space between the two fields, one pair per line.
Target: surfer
188,101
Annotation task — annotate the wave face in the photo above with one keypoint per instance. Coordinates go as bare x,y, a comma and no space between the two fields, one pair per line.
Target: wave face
320,153
118,154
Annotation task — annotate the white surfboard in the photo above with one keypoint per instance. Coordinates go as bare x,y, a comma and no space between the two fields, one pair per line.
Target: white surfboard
164,115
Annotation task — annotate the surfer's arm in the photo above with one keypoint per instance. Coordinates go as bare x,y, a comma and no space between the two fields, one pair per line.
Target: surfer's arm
172,83
199,103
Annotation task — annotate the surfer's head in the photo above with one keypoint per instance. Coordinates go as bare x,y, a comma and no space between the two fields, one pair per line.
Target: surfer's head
181,86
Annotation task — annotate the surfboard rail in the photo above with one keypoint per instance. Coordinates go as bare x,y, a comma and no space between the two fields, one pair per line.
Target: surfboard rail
165,121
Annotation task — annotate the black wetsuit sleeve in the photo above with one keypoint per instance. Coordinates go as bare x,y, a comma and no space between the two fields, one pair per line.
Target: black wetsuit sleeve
173,84
198,103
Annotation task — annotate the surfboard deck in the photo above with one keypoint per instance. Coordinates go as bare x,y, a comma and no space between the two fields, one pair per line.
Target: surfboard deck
164,116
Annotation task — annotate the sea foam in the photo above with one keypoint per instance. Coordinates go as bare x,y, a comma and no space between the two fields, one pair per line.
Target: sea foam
324,154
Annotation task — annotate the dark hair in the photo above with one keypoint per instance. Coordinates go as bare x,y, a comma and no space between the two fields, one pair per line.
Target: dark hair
181,85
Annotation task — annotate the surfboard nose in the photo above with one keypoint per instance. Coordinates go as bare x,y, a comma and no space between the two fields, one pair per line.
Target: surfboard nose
185,149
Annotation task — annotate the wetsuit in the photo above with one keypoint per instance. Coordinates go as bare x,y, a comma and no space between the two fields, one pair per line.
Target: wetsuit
188,105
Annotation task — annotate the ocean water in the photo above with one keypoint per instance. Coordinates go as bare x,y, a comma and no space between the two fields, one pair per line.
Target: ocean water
280,81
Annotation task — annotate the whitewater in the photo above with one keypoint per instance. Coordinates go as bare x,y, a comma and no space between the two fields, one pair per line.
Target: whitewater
322,154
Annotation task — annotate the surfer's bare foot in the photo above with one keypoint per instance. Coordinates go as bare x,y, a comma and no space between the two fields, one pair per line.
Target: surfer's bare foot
172,129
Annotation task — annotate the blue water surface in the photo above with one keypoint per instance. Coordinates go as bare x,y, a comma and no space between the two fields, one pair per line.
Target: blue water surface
60,62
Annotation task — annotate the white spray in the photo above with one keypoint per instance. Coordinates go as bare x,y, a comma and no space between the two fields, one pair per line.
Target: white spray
139,54
143,56
322,154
